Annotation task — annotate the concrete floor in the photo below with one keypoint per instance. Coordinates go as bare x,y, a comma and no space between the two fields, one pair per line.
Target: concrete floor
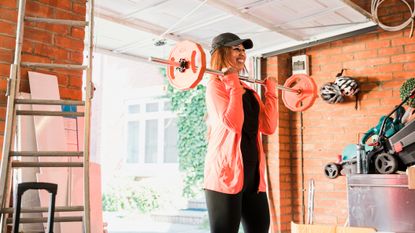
117,223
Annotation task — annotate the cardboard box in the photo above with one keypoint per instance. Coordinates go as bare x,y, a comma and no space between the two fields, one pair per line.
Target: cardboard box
303,228
410,171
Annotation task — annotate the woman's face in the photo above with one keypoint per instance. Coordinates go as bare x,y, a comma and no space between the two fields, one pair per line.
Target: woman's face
238,57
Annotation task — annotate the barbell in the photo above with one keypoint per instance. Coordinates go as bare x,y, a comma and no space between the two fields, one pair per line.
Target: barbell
186,66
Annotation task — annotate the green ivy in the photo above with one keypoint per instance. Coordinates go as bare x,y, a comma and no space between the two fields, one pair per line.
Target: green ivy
191,110
406,89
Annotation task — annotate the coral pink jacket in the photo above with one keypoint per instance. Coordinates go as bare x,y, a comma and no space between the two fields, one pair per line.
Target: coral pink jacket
223,163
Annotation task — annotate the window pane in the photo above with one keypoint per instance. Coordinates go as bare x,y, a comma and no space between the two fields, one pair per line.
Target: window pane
134,108
133,130
170,141
152,107
167,106
151,141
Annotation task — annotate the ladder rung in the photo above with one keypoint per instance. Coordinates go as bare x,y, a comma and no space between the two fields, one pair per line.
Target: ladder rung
57,21
33,231
44,209
48,113
49,102
46,164
56,219
54,66
47,153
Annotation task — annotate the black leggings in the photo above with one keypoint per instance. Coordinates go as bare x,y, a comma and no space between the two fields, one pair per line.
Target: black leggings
226,211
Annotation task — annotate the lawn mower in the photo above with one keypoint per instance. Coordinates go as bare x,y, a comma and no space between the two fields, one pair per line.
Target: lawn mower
392,148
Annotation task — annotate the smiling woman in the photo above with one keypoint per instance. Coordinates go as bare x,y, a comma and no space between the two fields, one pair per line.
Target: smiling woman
235,162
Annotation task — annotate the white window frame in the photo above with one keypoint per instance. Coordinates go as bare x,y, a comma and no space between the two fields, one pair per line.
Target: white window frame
142,117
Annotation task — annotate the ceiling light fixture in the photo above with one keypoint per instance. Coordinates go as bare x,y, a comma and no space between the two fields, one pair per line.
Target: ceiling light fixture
160,42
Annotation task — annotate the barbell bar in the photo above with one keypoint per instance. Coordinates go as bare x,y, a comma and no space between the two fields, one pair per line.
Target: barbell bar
220,73
186,66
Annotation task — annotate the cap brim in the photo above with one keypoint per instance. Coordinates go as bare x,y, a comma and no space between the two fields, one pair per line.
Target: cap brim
247,43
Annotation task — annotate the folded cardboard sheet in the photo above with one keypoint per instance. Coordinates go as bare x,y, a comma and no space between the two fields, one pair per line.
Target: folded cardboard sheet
304,228
410,171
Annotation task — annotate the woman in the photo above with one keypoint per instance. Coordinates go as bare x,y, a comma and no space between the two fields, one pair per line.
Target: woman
234,182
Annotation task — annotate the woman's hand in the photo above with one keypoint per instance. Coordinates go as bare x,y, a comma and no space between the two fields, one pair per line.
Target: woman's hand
270,83
230,78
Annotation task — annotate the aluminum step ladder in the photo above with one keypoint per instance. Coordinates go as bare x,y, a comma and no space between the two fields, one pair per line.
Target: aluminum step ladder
10,158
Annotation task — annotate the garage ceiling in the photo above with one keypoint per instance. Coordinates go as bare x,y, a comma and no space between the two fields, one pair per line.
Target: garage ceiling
142,28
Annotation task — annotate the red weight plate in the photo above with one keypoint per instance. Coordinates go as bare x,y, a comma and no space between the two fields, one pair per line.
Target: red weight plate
298,102
196,58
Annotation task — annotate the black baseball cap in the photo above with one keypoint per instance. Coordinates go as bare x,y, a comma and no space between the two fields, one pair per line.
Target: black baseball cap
229,39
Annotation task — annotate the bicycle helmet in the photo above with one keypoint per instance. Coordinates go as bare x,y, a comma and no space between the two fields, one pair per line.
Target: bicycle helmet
348,86
331,93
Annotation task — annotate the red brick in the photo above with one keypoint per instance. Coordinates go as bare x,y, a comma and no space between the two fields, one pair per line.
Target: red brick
354,47
3,85
63,80
73,94
4,70
390,35
365,54
34,34
3,98
390,102
78,33
2,124
390,51
76,57
7,41
8,14
24,85
407,32
403,75
396,84
27,47
378,61
333,68
409,48
325,218
62,14
409,66
38,9
59,29
6,55
403,41
393,20
8,4
366,64
75,82
341,43
378,44
79,9
370,37
7,28
49,2
33,58
67,5
321,60
330,51
390,68
54,53
403,58
70,43
339,58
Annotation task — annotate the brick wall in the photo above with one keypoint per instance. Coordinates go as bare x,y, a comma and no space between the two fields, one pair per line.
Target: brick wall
381,62
46,43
